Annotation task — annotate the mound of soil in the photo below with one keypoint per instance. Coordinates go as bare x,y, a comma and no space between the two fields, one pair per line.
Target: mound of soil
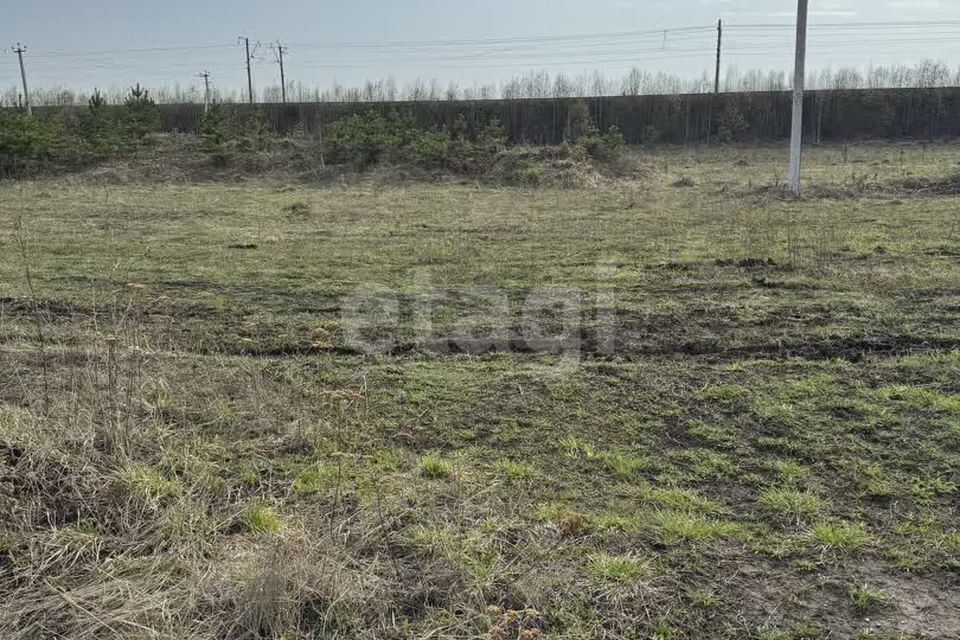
185,158
552,166
943,186
561,166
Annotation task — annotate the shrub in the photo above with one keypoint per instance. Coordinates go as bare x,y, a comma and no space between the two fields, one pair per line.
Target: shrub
533,173
140,116
367,139
599,145
255,131
579,121
98,127
25,141
432,148
732,125
492,138
217,129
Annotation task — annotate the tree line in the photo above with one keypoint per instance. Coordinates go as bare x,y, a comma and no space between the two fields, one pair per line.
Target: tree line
534,84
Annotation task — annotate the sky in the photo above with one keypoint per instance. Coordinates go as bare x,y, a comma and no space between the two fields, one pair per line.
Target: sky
119,42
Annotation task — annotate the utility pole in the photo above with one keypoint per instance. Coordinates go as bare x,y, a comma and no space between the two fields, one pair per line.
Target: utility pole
283,78
246,44
19,49
716,84
796,136
206,90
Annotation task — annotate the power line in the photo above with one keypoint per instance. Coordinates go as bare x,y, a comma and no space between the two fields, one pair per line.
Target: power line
849,40
57,53
833,25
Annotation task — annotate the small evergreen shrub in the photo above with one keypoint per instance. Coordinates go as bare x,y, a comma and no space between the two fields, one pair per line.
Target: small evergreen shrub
26,141
140,115
600,145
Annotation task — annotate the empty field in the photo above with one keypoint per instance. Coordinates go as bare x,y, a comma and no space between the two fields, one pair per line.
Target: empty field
675,406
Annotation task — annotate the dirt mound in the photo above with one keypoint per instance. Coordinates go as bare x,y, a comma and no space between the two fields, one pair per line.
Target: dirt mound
856,189
185,158
563,166
948,186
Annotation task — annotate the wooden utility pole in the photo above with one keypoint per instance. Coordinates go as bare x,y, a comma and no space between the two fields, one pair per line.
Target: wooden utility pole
800,70
246,44
206,90
19,49
716,84
283,78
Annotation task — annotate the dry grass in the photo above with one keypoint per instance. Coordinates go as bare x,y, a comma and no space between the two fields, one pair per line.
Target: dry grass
189,448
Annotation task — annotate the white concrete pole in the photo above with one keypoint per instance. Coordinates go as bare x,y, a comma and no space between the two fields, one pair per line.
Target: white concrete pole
796,136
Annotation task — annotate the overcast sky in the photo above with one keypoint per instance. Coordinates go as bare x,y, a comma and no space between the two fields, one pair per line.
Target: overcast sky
74,42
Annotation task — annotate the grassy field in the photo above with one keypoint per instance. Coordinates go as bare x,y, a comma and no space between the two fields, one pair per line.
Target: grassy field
742,420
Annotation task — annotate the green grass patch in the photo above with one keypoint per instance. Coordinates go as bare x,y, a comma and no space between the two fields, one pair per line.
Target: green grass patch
673,526
625,465
922,398
434,467
313,479
149,483
605,567
790,503
840,536
865,597
260,517
515,470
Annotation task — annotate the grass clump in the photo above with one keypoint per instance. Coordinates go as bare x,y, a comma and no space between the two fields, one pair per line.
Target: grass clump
515,470
791,472
605,567
625,465
311,480
926,489
790,503
684,499
149,483
260,517
569,521
575,448
434,467
922,398
674,526
725,393
714,435
840,536
865,597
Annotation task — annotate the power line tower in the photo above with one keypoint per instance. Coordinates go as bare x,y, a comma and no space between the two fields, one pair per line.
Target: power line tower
279,49
206,89
19,49
800,70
